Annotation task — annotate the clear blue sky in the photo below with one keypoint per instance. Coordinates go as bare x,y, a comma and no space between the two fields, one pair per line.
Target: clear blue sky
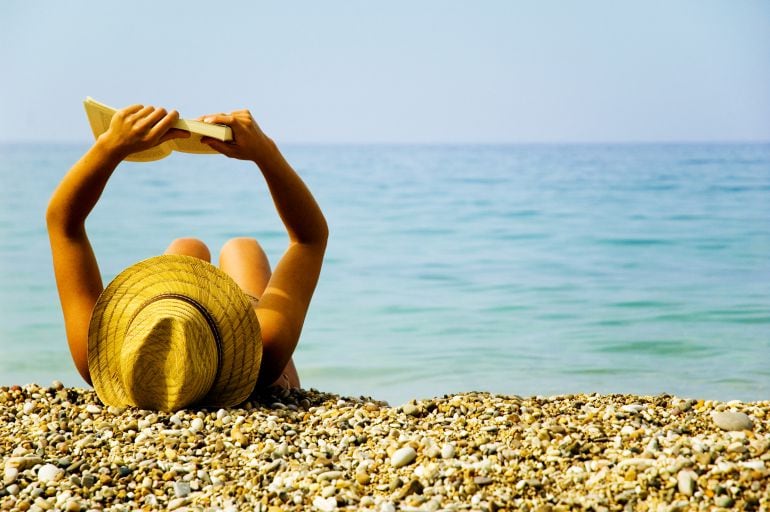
398,71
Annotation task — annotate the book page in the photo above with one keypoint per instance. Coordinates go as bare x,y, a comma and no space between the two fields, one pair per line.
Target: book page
148,155
191,145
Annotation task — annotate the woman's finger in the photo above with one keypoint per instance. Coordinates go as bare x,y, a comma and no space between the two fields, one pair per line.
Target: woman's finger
175,133
139,114
133,109
164,124
218,145
218,119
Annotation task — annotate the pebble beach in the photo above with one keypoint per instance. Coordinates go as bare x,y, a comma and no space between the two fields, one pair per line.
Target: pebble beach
308,450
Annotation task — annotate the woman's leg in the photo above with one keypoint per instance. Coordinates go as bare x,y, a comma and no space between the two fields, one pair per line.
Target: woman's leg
245,261
189,247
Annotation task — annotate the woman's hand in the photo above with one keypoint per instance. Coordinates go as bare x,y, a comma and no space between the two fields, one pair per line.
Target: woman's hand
249,141
137,128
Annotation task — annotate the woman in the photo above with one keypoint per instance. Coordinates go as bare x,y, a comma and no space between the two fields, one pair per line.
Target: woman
281,298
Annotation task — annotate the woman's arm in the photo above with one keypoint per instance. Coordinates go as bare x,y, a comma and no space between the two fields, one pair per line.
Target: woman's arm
283,305
77,273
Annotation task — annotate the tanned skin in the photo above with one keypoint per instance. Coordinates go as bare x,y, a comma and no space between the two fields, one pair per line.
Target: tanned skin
284,294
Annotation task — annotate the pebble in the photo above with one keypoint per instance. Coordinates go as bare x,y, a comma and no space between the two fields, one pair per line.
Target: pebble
403,456
29,407
11,473
330,475
93,409
196,425
686,482
181,489
88,481
49,473
732,420
319,451
325,504
724,501
175,503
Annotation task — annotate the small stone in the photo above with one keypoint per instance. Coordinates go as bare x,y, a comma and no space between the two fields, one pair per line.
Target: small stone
363,478
387,506
724,501
49,473
114,410
732,420
11,473
124,471
632,408
72,505
93,409
238,436
448,451
13,489
181,489
410,409
23,463
88,480
178,502
196,425
57,385
482,480
325,504
686,480
413,487
403,456
29,407
330,475
43,504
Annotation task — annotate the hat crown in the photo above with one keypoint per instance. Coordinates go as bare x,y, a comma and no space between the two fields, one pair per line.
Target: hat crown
169,356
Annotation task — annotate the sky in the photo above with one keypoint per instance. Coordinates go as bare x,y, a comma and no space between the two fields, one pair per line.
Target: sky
420,72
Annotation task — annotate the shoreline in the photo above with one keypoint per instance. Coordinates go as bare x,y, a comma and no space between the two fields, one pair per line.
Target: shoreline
309,450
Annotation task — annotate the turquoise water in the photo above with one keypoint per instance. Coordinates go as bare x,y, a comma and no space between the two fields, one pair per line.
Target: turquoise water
512,269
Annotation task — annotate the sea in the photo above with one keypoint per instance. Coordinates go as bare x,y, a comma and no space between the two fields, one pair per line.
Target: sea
511,269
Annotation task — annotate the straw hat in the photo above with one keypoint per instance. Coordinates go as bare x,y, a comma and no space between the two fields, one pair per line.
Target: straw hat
170,332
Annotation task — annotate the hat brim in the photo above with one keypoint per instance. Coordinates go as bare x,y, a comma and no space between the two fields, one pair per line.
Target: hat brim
217,292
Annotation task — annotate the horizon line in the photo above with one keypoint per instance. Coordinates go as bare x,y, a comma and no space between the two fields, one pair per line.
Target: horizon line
456,143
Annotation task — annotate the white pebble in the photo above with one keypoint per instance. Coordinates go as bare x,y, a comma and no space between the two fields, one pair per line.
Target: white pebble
686,480
732,420
387,506
181,489
448,451
757,465
93,409
325,504
29,407
403,456
330,475
11,473
196,425
178,502
49,473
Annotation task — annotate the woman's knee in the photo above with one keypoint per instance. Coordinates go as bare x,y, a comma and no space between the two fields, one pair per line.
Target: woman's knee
241,246
189,247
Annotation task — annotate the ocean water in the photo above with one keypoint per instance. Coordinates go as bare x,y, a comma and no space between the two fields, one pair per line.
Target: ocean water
525,270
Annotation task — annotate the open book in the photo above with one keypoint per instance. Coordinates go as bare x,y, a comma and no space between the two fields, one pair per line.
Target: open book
99,115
